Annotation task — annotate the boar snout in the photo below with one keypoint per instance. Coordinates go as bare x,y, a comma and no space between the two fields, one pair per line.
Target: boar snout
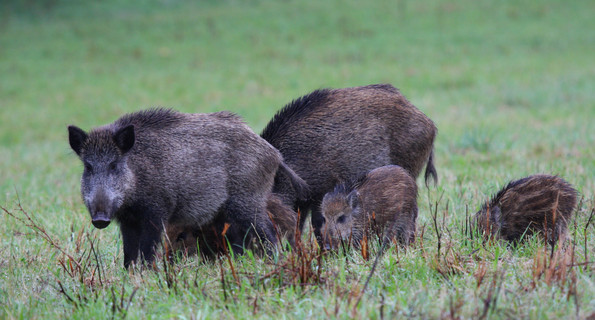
331,242
101,220
328,246
101,206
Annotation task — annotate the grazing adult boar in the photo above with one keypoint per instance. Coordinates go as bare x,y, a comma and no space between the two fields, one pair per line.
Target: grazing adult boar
383,202
208,239
335,135
538,203
159,166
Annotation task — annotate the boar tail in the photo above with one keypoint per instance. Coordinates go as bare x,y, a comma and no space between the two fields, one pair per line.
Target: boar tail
431,170
299,185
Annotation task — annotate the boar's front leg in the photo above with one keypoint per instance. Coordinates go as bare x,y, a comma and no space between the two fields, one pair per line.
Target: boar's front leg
150,237
131,234
140,235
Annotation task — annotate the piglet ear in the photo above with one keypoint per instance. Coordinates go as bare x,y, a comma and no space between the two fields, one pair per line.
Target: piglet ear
353,199
124,138
77,138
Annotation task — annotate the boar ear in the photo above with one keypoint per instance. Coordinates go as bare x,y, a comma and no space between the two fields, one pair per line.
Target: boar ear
352,199
124,138
76,137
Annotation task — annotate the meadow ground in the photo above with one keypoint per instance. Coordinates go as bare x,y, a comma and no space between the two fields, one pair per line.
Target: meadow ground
510,85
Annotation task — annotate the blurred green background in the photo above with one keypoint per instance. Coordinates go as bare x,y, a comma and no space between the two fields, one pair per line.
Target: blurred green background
510,85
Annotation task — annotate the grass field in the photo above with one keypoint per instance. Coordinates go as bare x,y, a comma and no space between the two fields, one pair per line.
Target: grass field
510,85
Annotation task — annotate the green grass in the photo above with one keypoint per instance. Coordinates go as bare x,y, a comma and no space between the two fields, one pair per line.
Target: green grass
510,86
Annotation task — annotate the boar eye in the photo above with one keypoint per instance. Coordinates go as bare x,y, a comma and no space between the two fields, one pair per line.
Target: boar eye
88,167
113,166
341,219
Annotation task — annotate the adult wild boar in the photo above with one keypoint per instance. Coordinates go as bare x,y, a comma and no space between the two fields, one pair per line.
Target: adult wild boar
159,166
382,202
538,203
335,135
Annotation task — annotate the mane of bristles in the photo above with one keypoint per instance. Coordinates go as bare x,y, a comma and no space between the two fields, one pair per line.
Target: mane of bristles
293,112
151,118
496,198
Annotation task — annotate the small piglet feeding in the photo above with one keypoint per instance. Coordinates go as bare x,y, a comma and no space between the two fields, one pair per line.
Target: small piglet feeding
383,202
538,203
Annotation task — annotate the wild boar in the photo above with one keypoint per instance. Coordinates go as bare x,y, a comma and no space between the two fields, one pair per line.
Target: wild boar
538,203
157,167
335,135
382,202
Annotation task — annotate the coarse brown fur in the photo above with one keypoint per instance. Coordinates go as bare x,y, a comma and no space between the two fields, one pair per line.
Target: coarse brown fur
538,203
383,202
159,166
335,135
209,239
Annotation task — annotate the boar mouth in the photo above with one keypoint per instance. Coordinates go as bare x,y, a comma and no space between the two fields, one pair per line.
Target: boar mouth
101,220
331,243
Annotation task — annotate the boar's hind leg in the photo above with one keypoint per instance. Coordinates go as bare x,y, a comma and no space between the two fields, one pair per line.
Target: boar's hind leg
304,210
252,218
402,230
317,221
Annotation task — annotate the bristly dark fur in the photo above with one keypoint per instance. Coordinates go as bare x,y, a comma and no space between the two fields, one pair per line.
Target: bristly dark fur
496,198
384,86
154,118
301,107
298,108
539,203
